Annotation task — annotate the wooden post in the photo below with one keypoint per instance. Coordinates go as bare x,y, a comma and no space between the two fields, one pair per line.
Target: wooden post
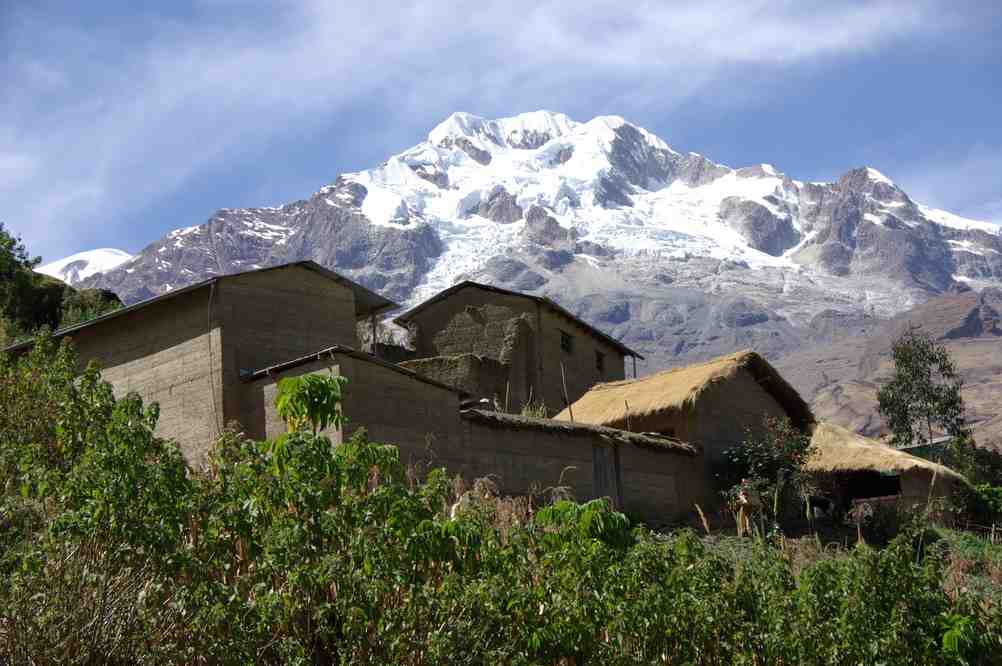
627,403
507,391
372,322
567,399
634,367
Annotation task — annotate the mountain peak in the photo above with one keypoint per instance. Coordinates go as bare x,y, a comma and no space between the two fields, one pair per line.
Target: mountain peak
525,130
76,267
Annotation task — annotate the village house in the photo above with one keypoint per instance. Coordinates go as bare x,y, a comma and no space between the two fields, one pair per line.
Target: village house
511,347
720,403
212,354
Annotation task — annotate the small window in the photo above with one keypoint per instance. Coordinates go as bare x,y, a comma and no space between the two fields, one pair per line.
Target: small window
600,362
567,342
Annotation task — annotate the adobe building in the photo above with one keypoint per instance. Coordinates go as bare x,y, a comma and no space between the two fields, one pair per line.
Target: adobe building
714,404
515,348
719,404
187,348
212,354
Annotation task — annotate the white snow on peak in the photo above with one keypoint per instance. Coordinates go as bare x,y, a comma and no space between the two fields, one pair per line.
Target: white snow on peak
956,222
82,265
878,177
502,132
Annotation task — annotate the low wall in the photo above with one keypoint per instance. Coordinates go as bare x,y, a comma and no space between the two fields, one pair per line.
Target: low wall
658,480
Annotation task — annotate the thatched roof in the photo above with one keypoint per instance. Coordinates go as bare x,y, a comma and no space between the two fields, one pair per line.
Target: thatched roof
679,388
609,435
840,450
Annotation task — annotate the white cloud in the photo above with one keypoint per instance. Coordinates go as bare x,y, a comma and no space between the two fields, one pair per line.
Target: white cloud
99,124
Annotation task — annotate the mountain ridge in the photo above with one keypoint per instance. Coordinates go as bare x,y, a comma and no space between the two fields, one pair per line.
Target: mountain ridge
677,255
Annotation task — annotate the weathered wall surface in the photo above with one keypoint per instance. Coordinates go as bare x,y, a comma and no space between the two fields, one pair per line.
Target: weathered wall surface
658,486
580,367
469,321
168,352
523,334
478,376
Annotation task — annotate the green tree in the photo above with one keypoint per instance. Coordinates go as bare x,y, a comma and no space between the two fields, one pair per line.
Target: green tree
924,393
16,281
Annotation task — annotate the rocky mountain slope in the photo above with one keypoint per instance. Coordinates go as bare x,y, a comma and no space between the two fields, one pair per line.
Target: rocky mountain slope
841,379
680,257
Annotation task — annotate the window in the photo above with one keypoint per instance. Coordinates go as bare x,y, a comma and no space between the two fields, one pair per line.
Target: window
567,342
600,362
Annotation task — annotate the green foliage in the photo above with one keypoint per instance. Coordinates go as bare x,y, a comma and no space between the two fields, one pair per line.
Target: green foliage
924,391
31,301
310,401
113,552
770,464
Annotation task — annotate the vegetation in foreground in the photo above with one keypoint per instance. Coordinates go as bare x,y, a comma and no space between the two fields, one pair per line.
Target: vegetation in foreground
296,551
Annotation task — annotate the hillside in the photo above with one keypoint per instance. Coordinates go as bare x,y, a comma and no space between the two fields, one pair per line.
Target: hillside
841,378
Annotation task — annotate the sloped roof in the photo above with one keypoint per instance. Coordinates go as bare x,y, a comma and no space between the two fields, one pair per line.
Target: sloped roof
840,450
678,388
366,302
336,350
542,300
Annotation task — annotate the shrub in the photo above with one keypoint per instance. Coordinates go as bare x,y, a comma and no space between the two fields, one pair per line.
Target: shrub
299,551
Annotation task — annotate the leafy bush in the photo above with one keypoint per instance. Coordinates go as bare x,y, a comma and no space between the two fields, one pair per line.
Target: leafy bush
297,551
769,466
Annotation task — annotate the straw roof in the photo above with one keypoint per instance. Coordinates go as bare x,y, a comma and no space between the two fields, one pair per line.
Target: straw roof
679,388
506,421
841,450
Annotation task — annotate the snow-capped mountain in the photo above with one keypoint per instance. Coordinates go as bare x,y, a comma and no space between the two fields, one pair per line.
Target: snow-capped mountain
82,265
676,254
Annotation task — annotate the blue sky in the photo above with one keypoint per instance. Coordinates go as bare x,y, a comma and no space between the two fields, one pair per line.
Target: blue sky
118,125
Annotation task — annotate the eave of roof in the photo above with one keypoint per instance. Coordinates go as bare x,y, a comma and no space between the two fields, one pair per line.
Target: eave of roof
346,351
442,295
367,303
612,435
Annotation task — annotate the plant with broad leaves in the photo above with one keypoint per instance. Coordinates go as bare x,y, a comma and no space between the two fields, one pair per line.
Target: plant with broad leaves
311,401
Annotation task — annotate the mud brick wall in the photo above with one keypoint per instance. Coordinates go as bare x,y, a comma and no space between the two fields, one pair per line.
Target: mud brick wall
729,412
478,376
662,487
579,364
393,406
168,352
275,316
469,321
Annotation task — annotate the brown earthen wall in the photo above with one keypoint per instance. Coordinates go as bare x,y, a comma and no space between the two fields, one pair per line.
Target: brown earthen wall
663,487
394,407
525,459
728,411
278,315
579,364
478,376
170,353
469,321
